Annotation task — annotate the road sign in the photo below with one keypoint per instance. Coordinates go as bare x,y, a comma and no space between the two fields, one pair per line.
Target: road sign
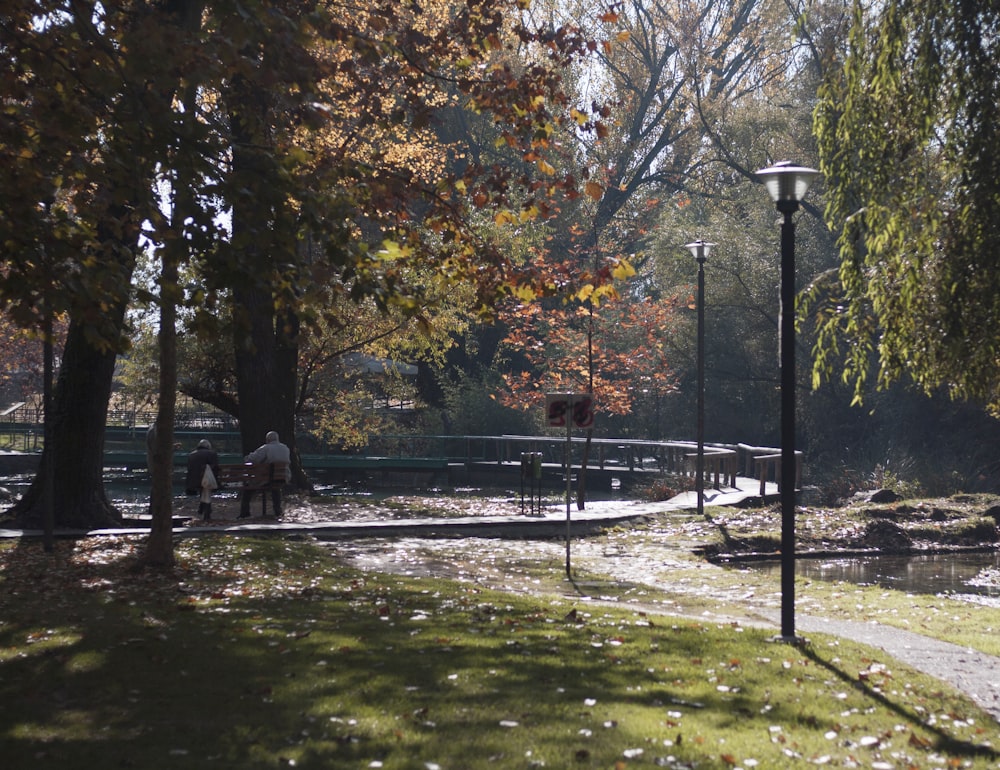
578,408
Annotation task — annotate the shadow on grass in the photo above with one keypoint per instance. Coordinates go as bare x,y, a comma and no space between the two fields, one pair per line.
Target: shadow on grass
944,741
257,653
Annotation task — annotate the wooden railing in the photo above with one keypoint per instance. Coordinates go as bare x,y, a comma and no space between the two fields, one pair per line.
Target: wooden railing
764,463
723,462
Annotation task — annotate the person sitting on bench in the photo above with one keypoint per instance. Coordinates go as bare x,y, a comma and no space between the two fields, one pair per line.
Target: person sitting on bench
271,451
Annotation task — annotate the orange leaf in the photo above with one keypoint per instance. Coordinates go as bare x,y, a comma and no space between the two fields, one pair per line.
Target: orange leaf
594,190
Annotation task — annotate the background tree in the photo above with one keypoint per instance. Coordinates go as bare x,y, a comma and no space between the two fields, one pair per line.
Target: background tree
78,173
908,137
673,75
615,348
97,157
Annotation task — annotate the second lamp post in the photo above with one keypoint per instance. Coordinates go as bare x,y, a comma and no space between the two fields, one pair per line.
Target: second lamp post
700,250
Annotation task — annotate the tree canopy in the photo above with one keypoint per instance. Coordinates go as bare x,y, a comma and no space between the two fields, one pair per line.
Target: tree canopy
278,155
908,137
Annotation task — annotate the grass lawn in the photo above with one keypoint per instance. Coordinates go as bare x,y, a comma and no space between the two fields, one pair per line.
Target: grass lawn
266,653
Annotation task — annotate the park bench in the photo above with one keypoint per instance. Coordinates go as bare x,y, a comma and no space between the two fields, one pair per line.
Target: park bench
262,477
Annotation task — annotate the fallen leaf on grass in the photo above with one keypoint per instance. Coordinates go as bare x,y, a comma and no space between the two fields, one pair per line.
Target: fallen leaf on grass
919,742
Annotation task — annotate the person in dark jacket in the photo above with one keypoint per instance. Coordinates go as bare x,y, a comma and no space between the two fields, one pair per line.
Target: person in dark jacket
202,457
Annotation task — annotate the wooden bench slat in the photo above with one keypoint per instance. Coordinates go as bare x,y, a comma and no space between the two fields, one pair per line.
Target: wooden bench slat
248,476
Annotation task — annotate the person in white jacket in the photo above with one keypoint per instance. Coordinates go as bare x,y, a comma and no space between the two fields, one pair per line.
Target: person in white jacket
271,451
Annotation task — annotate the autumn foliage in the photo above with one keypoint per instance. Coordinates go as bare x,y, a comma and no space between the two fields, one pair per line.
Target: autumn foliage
598,340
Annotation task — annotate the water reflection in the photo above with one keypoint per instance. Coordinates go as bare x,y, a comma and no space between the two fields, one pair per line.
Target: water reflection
958,573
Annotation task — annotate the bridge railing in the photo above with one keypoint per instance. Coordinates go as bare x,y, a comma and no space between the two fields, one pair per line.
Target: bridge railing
764,463
723,462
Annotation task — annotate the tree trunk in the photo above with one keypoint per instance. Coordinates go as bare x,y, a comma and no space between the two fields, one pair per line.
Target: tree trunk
266,373
76,454
160,545
266,337
287,367
255,366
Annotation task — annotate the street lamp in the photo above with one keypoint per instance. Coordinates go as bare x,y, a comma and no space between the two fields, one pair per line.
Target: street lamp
700,250
787,184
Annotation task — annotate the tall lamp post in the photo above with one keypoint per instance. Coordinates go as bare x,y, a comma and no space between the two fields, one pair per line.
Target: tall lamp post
787,184
700,250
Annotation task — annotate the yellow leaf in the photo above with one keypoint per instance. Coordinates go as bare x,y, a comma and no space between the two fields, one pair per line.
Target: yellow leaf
546,168
504,218
623,270
524,293
607,290
392,250
584,292
460,186
578,116
621,37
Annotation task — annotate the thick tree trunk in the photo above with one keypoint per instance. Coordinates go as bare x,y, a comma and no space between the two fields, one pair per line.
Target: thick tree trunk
255,366
266,374
266,337
75,456
287,365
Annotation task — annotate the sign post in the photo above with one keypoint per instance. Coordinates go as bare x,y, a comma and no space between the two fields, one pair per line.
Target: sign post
567,410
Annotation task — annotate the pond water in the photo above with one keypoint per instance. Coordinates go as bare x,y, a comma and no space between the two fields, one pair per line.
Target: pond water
974,575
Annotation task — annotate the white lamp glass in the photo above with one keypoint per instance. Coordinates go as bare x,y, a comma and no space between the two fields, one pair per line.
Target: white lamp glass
786,182
700,249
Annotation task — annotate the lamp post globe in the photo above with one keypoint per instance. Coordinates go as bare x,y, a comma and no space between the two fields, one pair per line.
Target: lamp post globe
700,250
787,184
